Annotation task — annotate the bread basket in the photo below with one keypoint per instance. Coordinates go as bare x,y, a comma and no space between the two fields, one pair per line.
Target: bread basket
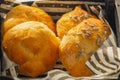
106,60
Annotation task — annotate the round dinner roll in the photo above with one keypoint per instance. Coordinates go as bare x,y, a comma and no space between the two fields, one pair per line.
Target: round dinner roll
22,13
70,20
80,43
33,46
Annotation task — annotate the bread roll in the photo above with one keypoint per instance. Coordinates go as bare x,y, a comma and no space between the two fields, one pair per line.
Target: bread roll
33,46
22,13
71,19
80,43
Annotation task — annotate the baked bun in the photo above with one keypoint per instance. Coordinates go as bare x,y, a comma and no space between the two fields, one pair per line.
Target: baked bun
70,20
33,46
22,13
80,43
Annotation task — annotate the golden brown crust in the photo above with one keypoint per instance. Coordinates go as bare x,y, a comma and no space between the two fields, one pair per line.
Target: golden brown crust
33,46
22,13
71,19
80,43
